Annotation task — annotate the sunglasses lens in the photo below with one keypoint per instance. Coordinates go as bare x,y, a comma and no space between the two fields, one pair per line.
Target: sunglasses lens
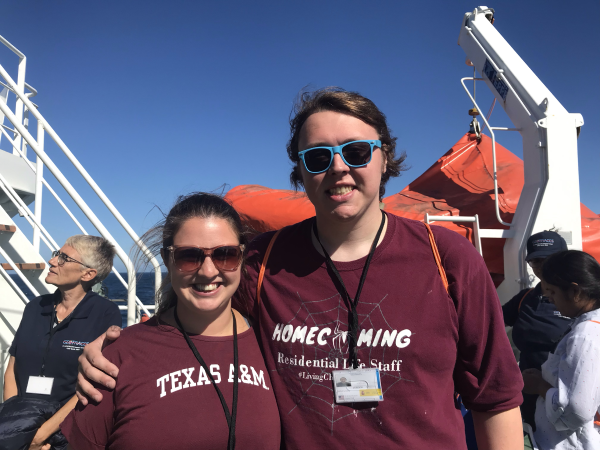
317,160
357,153
227,258
188,259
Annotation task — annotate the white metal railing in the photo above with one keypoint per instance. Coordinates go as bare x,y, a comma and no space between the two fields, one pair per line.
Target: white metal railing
46,237
478,233
18,271
26,212
20,140
14,286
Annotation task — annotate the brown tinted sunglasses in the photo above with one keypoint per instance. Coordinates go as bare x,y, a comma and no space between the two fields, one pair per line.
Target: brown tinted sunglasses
189,259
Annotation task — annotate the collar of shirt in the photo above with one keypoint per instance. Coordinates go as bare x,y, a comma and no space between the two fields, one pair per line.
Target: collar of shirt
590,315
81,311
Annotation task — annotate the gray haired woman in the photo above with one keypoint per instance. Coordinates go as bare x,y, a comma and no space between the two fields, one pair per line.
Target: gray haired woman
42,370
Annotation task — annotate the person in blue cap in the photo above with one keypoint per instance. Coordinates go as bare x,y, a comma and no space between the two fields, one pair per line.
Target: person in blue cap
537,325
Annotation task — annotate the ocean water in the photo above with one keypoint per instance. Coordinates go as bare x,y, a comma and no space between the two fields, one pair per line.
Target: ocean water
114,289
145,287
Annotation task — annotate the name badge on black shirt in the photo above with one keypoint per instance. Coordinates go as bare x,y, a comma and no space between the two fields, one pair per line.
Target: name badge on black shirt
40,385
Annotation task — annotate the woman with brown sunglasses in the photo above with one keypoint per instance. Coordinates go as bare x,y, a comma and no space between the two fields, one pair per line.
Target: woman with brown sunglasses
193,374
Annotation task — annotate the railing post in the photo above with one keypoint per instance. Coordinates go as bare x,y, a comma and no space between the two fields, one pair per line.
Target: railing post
39,177
476,236
19,105
26,125
131,289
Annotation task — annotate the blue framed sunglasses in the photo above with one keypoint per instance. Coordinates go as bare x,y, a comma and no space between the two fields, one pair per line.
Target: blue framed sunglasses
354,154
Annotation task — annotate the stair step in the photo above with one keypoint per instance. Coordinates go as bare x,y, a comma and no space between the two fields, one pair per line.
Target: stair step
25,266
8,228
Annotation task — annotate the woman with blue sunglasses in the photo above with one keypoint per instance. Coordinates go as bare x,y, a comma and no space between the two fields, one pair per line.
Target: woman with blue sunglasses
364,339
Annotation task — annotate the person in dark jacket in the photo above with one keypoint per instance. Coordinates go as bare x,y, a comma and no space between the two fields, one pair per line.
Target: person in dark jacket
537,325
42,370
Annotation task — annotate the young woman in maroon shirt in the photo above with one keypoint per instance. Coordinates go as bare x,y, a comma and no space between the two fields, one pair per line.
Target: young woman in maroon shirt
193,375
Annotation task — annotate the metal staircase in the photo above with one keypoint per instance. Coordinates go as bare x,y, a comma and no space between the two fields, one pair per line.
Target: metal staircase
22,182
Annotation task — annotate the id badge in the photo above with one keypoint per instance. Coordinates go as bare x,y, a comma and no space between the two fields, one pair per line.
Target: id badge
40,385
357,385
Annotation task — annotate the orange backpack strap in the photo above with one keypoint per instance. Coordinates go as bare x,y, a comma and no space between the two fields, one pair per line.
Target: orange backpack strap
526,293
436,256
263,266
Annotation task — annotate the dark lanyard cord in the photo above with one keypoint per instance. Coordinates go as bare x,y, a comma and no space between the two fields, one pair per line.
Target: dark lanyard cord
52,331
353,348
231,417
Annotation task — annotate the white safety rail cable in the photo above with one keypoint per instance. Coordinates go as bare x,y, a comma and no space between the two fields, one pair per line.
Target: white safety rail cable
131,312
83,173
68,211
495,175
14,285
18,271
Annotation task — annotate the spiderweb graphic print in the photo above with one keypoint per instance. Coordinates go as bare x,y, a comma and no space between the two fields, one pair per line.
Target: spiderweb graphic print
315,392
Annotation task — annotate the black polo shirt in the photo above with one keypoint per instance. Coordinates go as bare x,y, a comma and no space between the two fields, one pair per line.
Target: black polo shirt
90,318
537,326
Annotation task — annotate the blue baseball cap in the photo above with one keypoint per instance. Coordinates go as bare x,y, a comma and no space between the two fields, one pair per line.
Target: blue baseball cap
544,244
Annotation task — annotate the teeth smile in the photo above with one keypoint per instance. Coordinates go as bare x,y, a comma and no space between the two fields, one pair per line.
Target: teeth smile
340,190
206,287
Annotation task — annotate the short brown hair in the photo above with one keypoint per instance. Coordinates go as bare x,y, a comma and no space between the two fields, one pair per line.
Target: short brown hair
345,102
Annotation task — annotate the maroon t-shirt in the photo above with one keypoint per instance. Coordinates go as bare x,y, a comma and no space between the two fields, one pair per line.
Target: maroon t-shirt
426,343
164,399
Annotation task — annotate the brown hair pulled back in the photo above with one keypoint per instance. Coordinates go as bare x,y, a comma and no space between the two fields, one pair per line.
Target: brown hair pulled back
345,102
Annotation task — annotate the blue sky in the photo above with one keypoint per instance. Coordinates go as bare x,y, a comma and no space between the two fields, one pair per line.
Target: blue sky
158,99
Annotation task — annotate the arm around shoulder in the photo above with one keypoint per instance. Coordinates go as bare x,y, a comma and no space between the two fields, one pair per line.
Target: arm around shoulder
94,367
